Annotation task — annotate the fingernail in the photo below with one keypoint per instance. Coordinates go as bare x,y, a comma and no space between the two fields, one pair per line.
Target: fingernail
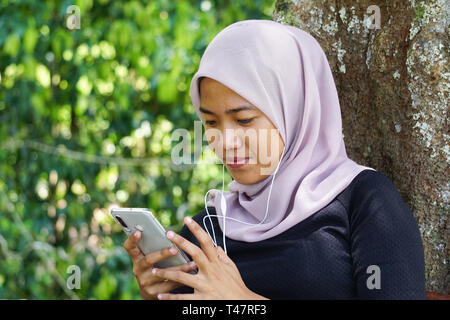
193,264
136,234
170,234
154,270
173,250
188,220
160,296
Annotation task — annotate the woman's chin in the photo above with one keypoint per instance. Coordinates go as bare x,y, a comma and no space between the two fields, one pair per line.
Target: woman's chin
248,176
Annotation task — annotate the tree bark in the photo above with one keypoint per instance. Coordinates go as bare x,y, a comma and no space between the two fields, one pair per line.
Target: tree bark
393,85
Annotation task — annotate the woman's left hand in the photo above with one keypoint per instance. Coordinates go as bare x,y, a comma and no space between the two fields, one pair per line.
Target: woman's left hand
217,276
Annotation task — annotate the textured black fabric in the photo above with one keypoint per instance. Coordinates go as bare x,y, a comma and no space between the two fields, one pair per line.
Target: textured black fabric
326,256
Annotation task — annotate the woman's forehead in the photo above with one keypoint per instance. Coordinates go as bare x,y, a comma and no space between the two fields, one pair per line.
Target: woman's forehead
216,96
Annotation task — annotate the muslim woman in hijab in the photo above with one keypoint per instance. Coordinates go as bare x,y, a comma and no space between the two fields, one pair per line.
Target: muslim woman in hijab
300,220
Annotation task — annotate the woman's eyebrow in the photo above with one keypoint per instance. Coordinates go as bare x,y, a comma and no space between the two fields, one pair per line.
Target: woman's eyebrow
234,110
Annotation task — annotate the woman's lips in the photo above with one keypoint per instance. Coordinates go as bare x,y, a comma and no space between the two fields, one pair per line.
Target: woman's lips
237,162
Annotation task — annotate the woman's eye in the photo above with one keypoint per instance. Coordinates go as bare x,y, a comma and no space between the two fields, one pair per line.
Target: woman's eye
210,122
245,121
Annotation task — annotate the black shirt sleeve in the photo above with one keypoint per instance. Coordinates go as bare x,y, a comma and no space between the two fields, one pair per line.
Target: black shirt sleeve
386,246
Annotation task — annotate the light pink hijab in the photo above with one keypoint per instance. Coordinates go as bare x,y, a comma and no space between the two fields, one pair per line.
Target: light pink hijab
284,72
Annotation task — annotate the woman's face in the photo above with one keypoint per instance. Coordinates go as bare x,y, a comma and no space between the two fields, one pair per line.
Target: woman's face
241,135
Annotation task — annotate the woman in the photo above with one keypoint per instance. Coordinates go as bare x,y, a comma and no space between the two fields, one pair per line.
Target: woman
331,228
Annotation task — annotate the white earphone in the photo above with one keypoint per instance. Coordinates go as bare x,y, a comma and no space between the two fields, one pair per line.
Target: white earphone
223,207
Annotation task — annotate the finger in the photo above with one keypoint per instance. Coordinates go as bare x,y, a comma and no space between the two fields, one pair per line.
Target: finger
186,267
154,257
195,252
177,276
147,278
223,256
148,281
165,286
178,296
131,247
203,238
161,287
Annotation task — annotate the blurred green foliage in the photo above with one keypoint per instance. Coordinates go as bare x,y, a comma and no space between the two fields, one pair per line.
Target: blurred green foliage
86,117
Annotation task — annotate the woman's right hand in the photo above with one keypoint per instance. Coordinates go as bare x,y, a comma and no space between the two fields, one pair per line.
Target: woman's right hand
149,285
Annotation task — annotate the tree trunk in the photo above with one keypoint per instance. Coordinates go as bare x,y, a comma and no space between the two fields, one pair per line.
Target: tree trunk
393,85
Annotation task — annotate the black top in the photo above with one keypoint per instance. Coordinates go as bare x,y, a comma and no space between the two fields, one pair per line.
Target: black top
327,255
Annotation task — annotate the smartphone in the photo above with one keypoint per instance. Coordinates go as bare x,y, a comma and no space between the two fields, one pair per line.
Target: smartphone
153,234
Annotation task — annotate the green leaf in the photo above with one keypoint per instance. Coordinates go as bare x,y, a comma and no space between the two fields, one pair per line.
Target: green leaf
29,39
167,88
12,45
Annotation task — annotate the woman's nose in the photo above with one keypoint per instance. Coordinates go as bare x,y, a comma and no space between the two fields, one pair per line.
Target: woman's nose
231,139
